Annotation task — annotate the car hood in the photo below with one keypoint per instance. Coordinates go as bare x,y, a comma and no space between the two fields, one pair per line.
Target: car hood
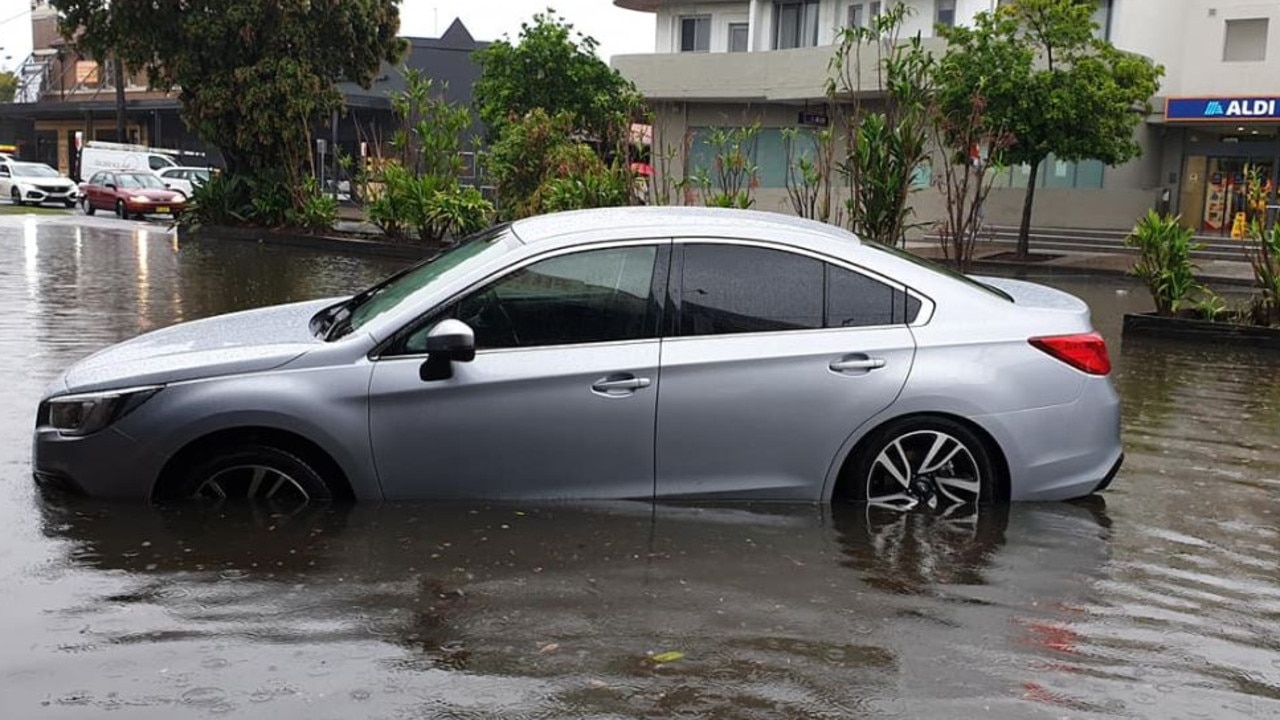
59,181
242,342
152,193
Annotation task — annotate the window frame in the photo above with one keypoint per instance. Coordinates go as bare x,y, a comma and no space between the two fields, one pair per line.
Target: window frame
941,6
745,28
1241,23
855,15
806,37
393,347
672,319
695,18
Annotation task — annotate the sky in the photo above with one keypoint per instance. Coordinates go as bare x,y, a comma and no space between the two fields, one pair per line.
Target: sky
620,32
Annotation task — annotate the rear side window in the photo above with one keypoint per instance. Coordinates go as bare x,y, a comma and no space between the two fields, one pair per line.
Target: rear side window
729,289
736,289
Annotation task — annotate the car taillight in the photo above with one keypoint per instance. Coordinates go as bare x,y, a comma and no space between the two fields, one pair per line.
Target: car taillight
1086,352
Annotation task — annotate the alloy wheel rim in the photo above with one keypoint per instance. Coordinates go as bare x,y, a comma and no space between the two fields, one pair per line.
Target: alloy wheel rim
253,482
927,468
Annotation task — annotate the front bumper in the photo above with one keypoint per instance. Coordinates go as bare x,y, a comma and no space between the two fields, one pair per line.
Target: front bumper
155,208
106,464
44,195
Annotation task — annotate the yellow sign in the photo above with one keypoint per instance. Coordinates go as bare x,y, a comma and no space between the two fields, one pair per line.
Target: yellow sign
1238,227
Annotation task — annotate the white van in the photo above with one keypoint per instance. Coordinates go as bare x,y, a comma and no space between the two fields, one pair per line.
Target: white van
121,157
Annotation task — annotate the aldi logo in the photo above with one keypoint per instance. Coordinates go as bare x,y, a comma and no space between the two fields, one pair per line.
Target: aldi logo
1236,109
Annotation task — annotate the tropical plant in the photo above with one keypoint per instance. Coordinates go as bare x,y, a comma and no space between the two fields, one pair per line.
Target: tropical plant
884,148
811,174
318,211
221,200
733,174
1164,260
1263,250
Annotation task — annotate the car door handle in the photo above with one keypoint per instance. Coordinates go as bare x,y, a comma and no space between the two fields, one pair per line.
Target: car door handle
616,385
855,363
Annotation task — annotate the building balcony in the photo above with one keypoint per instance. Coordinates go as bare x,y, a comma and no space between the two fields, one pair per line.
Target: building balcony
795,75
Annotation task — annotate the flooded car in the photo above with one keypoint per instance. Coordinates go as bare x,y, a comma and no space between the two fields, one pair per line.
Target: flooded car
636,353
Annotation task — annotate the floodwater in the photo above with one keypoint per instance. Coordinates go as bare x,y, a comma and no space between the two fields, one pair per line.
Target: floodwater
1161,599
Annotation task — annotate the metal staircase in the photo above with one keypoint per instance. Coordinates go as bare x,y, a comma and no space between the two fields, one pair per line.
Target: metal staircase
33,76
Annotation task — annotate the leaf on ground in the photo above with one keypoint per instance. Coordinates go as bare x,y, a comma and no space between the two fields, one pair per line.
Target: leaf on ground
667,657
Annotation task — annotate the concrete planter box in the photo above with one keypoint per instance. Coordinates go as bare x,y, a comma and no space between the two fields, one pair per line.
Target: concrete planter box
1150,325
334,243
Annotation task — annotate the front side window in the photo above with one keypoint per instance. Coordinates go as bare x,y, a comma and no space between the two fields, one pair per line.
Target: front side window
695,33
588,297
796,24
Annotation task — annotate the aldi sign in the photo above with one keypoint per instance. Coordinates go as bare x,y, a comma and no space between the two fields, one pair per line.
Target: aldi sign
1234,109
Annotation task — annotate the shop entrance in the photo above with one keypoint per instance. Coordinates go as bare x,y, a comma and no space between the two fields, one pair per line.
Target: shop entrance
1216,192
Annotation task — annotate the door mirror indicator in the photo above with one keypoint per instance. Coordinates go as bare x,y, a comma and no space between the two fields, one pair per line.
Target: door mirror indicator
448,342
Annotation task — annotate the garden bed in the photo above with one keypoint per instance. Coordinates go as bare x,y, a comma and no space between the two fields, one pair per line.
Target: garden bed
359,243
1186,328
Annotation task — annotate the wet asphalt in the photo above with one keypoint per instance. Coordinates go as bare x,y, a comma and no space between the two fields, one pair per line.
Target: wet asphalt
1159,599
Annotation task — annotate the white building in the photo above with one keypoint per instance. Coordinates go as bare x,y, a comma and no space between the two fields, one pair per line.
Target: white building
733,62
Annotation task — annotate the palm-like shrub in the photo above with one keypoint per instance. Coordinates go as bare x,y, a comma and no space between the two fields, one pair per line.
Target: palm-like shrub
1164,260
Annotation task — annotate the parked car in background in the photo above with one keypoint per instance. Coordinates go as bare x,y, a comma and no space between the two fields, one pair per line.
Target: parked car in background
35,183
184,179
97,156
652,352
129,194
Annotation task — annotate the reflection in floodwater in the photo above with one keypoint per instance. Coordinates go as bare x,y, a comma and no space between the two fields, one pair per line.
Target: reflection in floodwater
1160,602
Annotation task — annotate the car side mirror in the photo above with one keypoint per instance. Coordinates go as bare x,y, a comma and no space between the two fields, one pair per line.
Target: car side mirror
448,342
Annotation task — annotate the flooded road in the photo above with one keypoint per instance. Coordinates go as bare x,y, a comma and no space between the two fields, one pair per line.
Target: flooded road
1161,599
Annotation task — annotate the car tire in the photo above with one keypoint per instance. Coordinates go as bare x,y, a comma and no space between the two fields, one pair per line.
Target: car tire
924,461
254,472
17,197
121,212
71,203
87,206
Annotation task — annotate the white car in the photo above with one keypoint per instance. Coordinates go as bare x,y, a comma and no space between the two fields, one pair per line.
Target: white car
36,183
184,179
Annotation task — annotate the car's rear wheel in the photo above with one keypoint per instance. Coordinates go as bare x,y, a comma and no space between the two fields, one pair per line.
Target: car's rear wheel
931,462
17,196
255,472
121,211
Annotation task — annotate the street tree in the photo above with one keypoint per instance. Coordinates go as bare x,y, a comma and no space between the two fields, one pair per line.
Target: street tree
1073,95
553,67
253,77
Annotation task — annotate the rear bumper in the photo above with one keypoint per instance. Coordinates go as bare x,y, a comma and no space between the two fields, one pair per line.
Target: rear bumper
1063,451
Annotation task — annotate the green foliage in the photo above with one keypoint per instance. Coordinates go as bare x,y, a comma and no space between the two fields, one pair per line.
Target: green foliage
429,137
1050,83
1209,305
1164,260
429,205
553,68
811,173
1263,250
733,175
317,212
538,167
8,86
267,201
884,148
253,76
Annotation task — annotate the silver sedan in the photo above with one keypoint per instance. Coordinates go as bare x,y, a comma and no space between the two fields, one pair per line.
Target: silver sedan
672,353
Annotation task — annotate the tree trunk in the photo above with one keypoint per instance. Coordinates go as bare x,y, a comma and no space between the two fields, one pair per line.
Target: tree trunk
121,117
1024,230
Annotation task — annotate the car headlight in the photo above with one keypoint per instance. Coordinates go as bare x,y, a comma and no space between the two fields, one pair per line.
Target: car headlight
139,199
87,413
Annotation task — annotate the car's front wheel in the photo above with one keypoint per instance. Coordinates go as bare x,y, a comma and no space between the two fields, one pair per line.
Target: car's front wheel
121,211
17,196
934,462
256,472
87,206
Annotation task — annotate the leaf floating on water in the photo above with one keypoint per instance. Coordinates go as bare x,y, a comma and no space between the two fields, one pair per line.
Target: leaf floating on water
667,657
549,648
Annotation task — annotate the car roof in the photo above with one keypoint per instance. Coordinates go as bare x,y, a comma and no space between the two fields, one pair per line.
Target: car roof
671,221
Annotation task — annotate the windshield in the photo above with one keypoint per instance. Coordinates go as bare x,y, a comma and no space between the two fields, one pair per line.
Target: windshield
390,293
34,170
938,268
139,180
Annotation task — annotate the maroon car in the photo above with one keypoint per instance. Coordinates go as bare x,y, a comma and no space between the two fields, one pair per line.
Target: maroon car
130,194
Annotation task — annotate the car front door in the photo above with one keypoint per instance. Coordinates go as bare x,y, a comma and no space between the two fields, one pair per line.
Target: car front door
776,358
560,399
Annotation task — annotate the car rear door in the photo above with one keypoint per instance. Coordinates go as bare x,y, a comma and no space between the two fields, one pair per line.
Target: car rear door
775,358
560,400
